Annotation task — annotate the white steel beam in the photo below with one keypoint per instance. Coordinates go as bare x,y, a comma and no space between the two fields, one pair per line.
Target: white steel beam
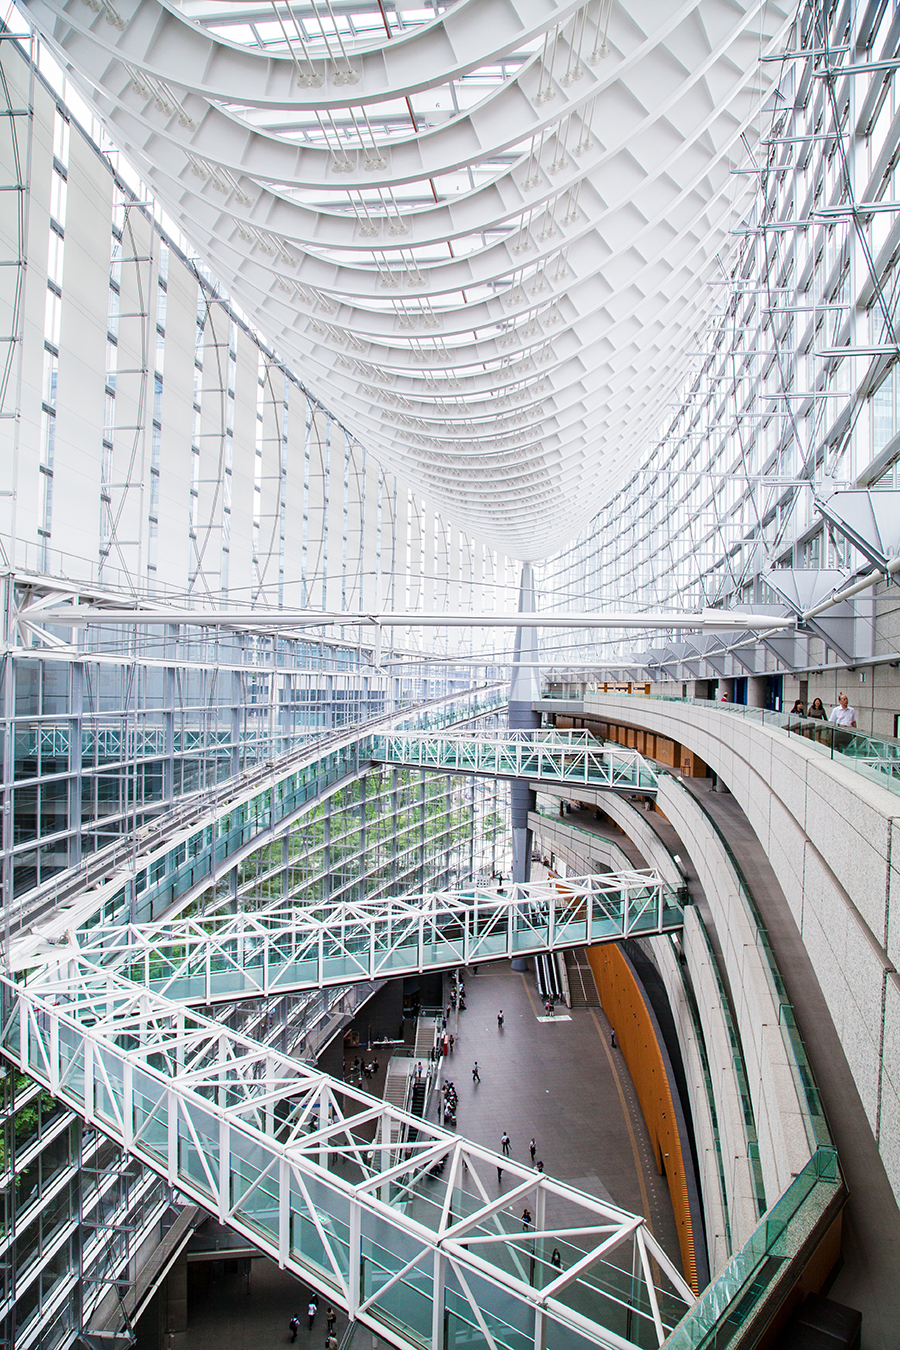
278,947
573,757
304,1167
78,616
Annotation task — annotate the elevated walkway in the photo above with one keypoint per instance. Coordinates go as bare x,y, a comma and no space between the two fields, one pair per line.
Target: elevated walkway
575,758
283,947
423,1250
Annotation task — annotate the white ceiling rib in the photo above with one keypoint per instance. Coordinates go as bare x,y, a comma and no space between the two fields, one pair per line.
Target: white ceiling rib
481,231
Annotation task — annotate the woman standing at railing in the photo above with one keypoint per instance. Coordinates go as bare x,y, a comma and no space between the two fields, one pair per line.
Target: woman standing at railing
817,710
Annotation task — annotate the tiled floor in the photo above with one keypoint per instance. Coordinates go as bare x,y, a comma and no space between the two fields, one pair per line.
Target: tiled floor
557,1081
560,1083
238,1314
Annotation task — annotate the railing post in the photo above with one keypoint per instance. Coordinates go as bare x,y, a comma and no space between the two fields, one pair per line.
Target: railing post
88,1060
540,1329
265,976
127,1103
284,1212
354,1269
172,1136
437,1300
224,1169
54,1056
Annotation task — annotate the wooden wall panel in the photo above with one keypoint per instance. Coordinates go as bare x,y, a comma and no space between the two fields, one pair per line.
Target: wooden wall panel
623,1003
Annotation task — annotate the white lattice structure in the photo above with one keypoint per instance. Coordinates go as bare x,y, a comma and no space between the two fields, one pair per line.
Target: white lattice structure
284,946
571,757
402,1236
482,237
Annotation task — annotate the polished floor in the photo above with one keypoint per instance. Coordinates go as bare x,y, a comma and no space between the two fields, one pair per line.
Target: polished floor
555,1080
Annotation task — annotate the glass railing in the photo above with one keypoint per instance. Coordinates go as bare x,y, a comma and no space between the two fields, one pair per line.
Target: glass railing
736,1051
773,1255
205,960
574,757
245,806
817,1132
875,757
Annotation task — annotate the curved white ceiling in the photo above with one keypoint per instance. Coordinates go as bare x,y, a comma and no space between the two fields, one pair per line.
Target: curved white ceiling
480,232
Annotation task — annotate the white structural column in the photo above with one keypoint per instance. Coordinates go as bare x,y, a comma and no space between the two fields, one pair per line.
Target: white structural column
304,1167
281,946
482,236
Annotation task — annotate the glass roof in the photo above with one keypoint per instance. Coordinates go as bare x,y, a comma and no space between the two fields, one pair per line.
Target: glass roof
479,230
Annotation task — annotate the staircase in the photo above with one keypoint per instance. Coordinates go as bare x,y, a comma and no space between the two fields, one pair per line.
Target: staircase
582,989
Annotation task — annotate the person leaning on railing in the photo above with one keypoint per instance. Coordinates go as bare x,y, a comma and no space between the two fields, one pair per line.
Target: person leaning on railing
802,727
842,715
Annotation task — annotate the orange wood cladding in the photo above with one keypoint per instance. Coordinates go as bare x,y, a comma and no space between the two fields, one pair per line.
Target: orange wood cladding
623,1003
649,743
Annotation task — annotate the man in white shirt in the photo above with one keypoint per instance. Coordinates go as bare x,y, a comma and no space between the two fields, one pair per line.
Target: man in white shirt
842,715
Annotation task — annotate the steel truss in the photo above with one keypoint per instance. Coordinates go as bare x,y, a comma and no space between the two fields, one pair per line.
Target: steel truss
567,757
420,1239
283,946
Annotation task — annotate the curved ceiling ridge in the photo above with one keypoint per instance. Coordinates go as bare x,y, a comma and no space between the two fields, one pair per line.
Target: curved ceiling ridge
482,232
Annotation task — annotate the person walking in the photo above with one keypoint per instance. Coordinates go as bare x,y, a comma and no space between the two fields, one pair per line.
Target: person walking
294,1327
505,1142
476,1076
330,1317
500,1020
331,1343
311,1313
612,1039
532,1149
526,1218
499,1176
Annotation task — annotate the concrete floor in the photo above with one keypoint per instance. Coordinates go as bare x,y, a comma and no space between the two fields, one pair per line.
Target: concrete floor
557,1081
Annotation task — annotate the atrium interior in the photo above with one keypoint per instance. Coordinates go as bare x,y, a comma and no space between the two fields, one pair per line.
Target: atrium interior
449,549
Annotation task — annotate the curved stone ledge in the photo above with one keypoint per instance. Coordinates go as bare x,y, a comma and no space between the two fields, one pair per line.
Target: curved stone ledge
831,836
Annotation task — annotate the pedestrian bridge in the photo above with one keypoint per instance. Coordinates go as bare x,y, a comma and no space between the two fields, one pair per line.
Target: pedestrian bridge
281,947
575,758
405,1225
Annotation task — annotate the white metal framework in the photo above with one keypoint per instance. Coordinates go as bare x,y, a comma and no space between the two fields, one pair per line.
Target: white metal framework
482,236
421,1240
284,946
561,757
